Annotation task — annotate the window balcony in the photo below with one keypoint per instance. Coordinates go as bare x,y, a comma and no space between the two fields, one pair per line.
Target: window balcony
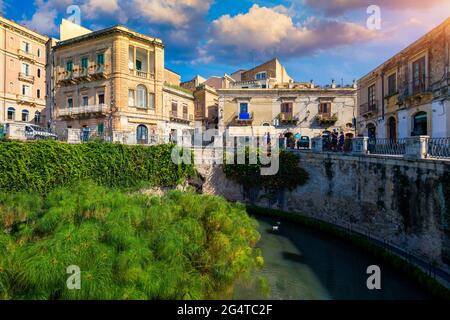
288,118
98,72
327,118
368,110
83,111
141,74
26,77
23,99
26,55
181,118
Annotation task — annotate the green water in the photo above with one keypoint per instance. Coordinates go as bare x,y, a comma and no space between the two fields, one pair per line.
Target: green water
305,264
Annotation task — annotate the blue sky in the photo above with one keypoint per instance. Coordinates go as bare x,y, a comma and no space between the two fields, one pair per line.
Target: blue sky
314,39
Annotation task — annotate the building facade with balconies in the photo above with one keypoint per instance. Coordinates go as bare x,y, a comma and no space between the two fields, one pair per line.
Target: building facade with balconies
22,82
112,84
408,95
287,107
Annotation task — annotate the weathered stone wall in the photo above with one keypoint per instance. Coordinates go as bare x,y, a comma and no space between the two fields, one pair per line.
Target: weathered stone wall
405,202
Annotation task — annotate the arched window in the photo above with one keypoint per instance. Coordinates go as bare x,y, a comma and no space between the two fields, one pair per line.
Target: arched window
141,96
392,128
25,115
142,134
11,113
420,124
37,117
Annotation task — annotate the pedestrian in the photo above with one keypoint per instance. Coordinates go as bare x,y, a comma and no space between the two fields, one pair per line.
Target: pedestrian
297,137
341,142
334,141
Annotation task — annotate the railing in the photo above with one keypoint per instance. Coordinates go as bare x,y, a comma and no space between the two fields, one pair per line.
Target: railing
387,146
249,84
367,108
438,148
26,54
26,77
102,108
25,99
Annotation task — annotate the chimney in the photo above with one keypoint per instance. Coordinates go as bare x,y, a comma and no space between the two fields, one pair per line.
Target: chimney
333,84
354,84
311,84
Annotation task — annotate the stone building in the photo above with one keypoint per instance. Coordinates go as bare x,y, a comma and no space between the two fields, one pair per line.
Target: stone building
112,84
22,74
266,97
408,95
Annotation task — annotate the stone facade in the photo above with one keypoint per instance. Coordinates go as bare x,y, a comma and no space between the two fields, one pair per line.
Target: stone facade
409,94
112,84
403,202
22,78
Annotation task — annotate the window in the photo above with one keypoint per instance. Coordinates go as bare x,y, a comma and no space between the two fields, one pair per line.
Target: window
174,108
261,76
84,101
84,63
151,101
25,90
70,103
25,69
243,107
141,96
39,73
100,59
39,53
419,75
25,115
185,111
325,108
101,98
26,47
142,134
37,117
392,84
69,66
11,113
420,126
371,97
38,93
286,107
138,65
131,95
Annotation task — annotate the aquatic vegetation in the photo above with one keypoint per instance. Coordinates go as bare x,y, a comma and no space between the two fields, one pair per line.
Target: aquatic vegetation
179,246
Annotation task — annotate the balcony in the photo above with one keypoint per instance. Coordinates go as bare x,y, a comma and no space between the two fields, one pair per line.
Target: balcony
98,73
181,118
83,112
368,110
141,74
26,77
26,55
288,118
416,92
67,78
22,99
82,75
327,118
252,84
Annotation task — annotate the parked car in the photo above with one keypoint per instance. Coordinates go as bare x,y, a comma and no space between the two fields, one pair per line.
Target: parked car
33,132
303,142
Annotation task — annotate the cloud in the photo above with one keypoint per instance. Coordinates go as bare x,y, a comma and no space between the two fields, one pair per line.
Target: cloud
338,7
92,9
43,19
178,13
249,35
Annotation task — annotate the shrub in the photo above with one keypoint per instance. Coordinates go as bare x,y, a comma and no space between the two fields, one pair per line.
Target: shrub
44,165
289,176
180,246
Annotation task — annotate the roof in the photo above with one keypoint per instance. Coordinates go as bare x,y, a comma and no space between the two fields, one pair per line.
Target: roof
115,29
22,29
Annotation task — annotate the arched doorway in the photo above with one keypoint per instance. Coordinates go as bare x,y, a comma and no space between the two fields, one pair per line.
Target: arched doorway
371,131
420,124
392,128
142,134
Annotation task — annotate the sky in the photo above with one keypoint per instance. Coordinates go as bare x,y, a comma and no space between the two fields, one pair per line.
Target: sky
317,40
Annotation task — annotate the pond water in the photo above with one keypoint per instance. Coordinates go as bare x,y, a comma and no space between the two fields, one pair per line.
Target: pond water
305,264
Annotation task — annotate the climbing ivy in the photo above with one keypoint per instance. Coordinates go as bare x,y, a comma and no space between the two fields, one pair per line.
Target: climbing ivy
42,166
289,176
